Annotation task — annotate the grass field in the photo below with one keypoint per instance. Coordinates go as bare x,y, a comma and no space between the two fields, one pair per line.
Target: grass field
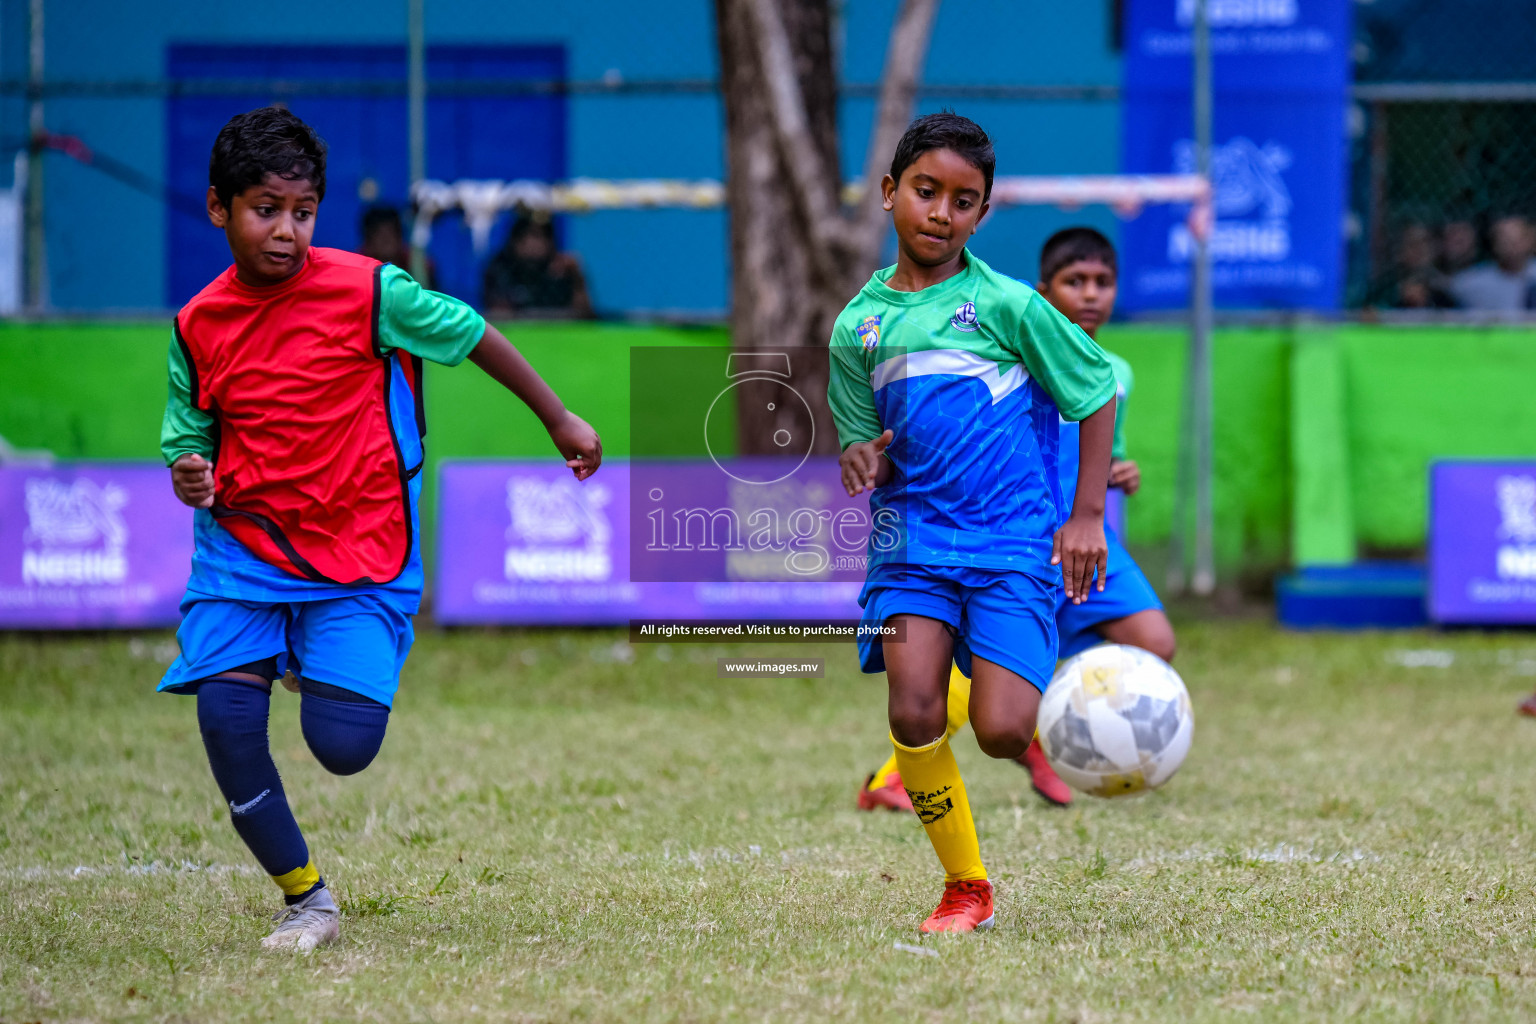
562,826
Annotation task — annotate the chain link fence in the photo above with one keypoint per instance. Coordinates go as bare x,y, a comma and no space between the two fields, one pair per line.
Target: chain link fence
1443,190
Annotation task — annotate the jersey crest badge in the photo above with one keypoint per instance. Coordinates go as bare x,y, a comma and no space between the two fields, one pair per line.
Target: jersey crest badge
868,333
965,318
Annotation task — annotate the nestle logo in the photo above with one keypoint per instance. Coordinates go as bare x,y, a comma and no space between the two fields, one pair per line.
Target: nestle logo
77,568
1517,563
75,535
1241,13
560,532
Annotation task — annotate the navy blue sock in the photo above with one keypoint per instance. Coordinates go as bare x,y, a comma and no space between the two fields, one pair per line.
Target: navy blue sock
344,730
232,716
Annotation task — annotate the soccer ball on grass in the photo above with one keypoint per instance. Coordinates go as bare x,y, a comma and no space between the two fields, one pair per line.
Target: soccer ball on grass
1116,720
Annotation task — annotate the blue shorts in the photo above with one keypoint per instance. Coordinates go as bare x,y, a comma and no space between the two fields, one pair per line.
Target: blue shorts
1006,617
1126,592
358,642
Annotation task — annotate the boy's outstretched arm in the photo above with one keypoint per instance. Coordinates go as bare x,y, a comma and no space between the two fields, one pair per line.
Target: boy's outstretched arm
573,437
1079,546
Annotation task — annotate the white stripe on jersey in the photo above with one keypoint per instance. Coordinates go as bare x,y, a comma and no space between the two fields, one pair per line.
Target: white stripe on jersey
951,362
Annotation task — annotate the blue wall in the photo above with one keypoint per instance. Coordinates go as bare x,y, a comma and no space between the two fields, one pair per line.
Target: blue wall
107,242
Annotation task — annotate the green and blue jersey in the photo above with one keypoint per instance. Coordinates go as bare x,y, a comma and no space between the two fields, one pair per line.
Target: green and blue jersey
972,376
1067,456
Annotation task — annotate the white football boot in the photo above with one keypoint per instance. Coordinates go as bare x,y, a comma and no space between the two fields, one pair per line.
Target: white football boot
313,921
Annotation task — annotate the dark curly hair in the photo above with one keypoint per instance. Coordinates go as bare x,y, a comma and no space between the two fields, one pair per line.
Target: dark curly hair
272,140
946,130
1069,245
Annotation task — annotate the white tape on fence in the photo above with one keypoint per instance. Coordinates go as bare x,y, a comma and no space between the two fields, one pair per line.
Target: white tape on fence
483,200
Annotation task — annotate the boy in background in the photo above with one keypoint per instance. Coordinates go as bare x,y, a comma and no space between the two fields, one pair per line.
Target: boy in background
1079,276
294,427
948,381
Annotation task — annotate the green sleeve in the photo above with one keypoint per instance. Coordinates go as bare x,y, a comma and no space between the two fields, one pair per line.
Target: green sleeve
849,392
1127,380
1063,359
186,429
425,323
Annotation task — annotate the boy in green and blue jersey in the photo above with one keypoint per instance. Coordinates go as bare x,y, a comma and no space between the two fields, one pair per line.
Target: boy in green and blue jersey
948,383
1079,276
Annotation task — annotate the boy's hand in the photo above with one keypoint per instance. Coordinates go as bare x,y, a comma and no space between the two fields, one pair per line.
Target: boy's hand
579,443
865,466
192,480
1125,474
1079,548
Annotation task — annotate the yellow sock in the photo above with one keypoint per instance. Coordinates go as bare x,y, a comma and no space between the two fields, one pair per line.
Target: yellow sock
959,711
298,881
883,774
959,701
932,780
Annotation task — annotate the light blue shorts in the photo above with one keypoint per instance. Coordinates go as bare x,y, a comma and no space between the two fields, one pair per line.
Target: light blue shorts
1008,618
358,642
1126,592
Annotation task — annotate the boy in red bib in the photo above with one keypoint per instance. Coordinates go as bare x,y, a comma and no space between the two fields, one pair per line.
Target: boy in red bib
294,427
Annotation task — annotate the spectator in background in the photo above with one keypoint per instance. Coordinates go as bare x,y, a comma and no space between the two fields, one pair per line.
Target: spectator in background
1458,245
530,276
1420,284
384,240
1504,285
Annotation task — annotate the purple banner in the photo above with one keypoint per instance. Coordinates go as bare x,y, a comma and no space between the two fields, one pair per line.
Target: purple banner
91,547
523,543
1482,543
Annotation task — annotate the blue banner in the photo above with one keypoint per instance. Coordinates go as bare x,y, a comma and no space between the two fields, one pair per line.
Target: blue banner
1280,72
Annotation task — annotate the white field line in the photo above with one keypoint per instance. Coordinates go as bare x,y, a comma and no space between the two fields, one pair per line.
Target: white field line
1280,853
155,867
702,859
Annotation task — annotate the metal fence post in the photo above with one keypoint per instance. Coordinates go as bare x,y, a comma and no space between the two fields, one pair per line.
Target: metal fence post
1202,384
417,92
36,233
1195,462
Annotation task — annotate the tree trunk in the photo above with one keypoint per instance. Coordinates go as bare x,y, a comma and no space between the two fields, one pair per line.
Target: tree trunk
796,257
779,300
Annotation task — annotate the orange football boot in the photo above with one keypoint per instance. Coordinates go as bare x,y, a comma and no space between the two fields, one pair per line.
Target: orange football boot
891,796
966,906
1043,777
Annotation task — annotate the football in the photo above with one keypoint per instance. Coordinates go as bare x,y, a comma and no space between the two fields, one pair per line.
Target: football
1115,721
